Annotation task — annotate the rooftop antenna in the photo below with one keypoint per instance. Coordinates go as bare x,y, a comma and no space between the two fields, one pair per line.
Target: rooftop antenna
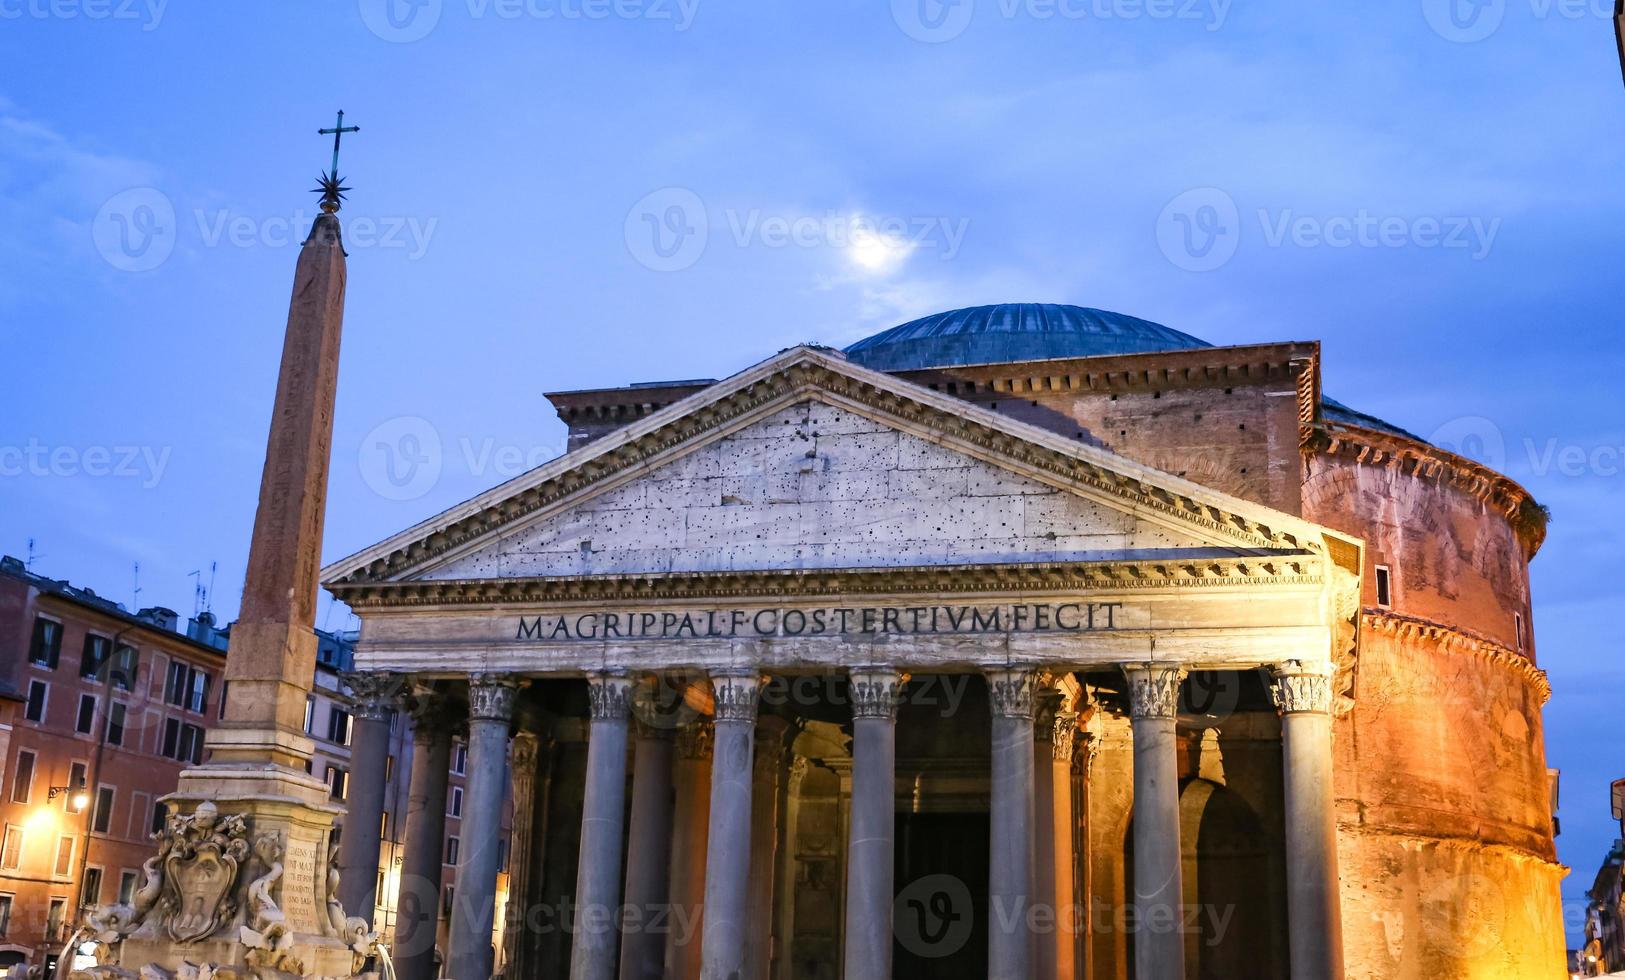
208,596
197,591
136,577
32,556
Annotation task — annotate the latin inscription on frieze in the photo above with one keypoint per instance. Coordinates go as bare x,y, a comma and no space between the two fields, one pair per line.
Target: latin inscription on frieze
837,622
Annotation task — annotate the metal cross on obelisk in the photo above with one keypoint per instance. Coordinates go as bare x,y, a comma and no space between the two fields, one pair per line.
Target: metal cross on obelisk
331,185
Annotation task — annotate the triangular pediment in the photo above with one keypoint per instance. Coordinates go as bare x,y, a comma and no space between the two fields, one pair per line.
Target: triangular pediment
809,462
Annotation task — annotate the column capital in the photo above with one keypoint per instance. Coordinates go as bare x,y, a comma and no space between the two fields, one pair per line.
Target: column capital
491,696
1302,688
1010,691
609,696
526,748
876,692
1063,732
735,696
373,694
694,739
1154,689
660,707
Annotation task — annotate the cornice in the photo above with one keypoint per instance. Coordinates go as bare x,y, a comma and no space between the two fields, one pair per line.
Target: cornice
1370,447
1453,638
1289,570
818,375
1203,367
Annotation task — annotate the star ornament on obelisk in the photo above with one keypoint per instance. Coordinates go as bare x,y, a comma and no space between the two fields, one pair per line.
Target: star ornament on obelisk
247,887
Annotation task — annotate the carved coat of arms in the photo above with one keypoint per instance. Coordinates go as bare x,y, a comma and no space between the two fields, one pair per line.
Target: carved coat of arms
204,856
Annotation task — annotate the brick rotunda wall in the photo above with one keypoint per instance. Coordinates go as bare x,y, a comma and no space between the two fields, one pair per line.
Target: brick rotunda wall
1445,828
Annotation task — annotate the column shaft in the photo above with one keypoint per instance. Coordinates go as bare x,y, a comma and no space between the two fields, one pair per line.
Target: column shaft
767,769
1159,947
648,856
417,913
1056,910
1303,693
1063,825
691,790
372,697
527,818
727,863
490,707
1010,940
603,816
871,848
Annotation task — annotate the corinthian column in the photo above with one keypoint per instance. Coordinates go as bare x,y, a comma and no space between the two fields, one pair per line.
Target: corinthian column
1159,948
691,786
870,847
372,698
1010,944
417,912
1056,950
1303,692
766,771
603,810
649,842
490,708
526,756
727,861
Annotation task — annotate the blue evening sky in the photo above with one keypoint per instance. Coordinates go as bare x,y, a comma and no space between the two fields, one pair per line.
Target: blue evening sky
572,193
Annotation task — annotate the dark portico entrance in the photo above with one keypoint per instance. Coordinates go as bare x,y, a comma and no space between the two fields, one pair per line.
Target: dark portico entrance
942,887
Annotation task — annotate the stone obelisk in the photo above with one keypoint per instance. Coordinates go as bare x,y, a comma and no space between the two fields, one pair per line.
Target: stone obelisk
242,880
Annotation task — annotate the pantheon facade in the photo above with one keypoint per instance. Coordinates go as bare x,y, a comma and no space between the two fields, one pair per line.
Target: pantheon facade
1014,642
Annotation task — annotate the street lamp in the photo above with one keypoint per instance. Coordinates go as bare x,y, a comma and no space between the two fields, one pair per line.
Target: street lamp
79,799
